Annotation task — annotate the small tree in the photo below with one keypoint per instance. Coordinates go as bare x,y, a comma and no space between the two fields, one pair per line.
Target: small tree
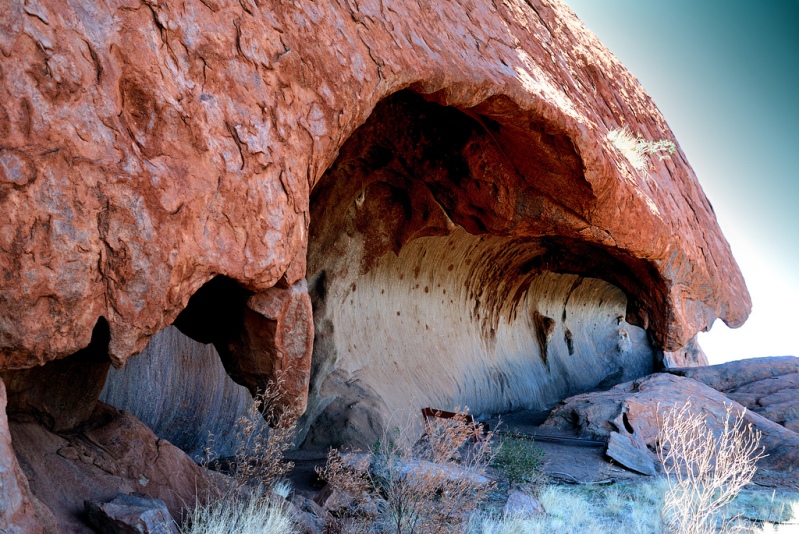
704,471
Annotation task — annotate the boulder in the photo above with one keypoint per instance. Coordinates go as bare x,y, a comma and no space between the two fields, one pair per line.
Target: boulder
522,504
131,514
767,386
634,409
115,454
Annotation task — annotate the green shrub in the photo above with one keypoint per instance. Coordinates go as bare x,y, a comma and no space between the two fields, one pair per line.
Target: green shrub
518,459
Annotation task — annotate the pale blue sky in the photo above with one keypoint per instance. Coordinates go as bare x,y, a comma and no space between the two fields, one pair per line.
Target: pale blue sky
725,74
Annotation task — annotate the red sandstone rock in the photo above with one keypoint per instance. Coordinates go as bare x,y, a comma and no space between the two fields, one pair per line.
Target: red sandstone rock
147,148
114,454
149,152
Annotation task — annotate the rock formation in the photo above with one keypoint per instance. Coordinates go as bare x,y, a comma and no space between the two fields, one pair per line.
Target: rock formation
435,177
767,386
179,388
115,453
634,409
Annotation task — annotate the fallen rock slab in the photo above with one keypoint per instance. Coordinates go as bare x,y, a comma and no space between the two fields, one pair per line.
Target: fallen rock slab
634,408
131,514
622,449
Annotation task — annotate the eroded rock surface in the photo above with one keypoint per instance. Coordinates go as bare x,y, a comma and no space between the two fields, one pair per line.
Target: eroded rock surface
633,409
768,386
131,514
147,148
114,454
179,388
440,173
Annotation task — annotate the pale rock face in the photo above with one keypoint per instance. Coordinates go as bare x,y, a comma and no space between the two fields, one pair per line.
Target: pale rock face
17,514
179,388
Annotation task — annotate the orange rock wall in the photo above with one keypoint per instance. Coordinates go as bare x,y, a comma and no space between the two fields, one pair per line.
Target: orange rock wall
146,147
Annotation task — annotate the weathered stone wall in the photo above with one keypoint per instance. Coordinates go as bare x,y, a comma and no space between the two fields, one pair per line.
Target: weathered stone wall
148,147
179,388
196,162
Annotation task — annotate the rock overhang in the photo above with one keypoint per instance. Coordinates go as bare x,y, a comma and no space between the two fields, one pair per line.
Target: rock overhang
146,156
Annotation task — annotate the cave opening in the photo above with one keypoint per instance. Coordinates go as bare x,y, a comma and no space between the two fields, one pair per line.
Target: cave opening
446,268
181,384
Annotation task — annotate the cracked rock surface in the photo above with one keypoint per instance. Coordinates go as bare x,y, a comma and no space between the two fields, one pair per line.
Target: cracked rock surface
373,201
148,146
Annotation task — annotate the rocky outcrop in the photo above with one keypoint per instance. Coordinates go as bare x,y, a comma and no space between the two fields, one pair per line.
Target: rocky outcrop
767,386
634,409
147,148
113,454
440,175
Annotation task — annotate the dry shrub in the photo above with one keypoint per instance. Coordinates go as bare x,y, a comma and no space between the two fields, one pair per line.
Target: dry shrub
259,460
432,487
704,472
254,499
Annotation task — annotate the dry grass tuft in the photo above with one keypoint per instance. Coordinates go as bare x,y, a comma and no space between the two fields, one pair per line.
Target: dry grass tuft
636,149
256,514
255,498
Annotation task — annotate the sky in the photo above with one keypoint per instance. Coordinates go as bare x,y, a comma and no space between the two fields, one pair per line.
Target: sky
725,75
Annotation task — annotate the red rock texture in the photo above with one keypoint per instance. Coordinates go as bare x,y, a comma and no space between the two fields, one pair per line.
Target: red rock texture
114,454
149,147
158,161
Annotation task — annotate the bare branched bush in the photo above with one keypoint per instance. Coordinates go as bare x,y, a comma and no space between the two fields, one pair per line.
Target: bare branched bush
259,460
704,471
255,497
429,488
